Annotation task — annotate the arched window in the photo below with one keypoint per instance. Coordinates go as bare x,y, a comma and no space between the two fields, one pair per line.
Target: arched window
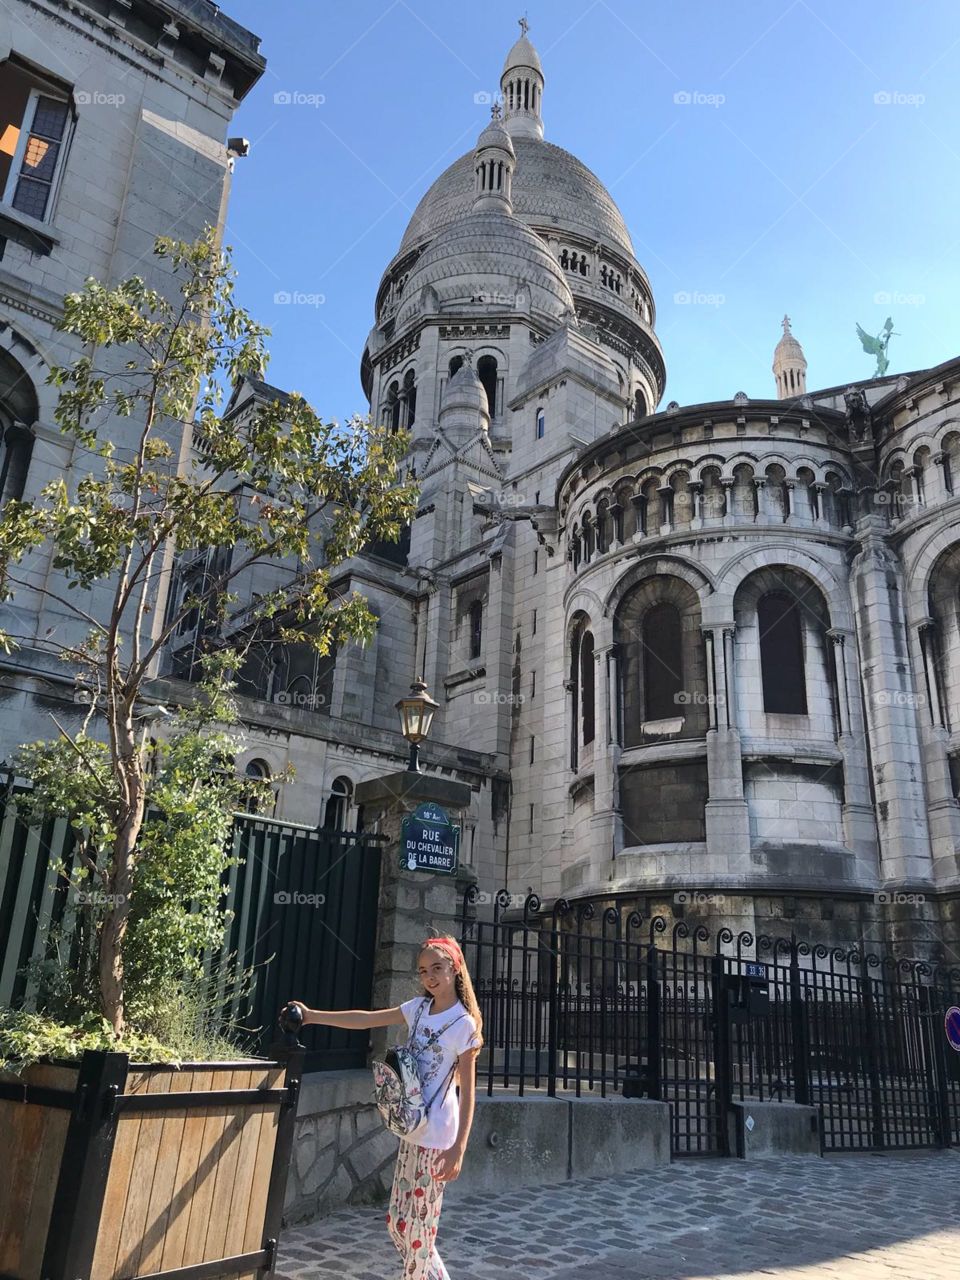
662,662
338,805
18,413
541,423
487,373
391,412
456,362
639,403
254,800
410,394
781,654
587,688
581,688
476,628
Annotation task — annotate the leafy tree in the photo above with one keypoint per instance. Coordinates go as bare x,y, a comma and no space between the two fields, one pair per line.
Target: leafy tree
277,487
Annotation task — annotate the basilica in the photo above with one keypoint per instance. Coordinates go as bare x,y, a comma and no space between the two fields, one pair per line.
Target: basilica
702,656
707,655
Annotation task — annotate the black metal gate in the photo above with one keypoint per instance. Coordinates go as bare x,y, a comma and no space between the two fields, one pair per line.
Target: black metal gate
305,913
591,996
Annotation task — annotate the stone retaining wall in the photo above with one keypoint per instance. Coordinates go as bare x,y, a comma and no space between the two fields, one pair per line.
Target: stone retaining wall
342,1153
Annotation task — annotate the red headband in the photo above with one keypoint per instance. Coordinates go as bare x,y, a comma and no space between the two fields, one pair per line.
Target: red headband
451,948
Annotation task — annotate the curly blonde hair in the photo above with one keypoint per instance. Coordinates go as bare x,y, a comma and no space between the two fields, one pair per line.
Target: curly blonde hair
462,982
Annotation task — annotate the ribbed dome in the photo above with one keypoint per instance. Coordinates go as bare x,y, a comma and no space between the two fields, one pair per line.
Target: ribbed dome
551,188
523,54
493,252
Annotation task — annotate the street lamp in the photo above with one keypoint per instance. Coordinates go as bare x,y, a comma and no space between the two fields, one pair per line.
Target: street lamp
416,716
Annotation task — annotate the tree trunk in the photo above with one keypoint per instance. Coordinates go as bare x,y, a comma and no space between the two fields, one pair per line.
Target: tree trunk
120,884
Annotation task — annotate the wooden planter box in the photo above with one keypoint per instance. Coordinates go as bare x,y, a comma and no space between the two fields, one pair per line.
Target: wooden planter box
118,1170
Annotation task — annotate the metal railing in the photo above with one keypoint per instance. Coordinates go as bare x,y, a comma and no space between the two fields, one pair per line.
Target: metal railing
591,996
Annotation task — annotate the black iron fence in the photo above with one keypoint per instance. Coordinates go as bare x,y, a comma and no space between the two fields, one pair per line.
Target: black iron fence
593,997
304,911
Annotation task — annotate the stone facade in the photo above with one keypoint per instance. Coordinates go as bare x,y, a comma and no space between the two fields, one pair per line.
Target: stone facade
140,108
706,656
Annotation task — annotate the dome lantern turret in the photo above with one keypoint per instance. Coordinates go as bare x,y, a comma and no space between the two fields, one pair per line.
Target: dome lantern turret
521,86
789,365
495,161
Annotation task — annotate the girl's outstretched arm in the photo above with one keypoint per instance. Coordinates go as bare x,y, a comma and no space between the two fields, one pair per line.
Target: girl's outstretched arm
350,1019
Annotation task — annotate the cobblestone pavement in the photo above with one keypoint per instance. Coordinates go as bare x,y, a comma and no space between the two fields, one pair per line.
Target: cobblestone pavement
859,1217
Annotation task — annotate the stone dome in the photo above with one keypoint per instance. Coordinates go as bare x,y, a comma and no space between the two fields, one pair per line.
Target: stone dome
551,188
465,391
523,54
495,135
488,258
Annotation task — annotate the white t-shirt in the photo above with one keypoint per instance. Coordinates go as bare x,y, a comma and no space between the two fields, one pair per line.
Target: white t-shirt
435,1061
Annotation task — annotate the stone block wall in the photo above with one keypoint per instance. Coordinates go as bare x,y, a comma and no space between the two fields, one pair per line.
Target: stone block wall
342,1153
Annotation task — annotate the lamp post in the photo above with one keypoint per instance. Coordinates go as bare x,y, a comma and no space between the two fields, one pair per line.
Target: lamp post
416,716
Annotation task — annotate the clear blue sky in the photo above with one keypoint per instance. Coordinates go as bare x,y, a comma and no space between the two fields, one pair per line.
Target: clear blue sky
783,186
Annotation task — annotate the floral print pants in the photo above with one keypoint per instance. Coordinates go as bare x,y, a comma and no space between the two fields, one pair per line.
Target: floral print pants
415,1211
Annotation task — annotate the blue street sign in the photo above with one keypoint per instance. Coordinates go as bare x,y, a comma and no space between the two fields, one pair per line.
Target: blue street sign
429,841
951,1024
755,970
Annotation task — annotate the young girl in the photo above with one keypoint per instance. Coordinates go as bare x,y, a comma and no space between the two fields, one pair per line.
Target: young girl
447,1036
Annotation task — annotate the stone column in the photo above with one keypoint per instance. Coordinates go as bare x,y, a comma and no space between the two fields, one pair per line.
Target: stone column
412,904
943,810
605,752
727,486
890,702
859,821
726,814
696,491
639,506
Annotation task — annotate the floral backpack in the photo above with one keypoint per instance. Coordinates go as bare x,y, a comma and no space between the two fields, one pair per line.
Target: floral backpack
397,1088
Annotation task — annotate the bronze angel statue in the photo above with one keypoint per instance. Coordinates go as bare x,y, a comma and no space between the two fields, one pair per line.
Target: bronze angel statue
877,346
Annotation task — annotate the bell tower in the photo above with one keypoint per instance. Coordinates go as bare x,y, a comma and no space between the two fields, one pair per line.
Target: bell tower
521,86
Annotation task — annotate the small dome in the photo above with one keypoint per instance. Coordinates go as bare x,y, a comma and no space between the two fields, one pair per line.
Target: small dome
495,135
492,259
465,391
523,54
788,348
